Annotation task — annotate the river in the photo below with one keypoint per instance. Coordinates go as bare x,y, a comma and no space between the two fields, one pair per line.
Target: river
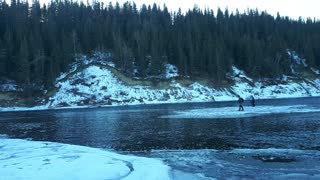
193,145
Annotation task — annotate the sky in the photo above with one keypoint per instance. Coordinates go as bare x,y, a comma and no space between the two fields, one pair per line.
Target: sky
291,8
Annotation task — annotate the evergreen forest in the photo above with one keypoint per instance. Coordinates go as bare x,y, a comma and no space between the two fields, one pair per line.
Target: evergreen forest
38,42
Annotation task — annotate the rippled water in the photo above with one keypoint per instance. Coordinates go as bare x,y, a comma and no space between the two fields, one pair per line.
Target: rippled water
152,130
136,128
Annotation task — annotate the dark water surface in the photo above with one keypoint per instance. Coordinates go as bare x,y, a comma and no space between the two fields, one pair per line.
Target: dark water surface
140,128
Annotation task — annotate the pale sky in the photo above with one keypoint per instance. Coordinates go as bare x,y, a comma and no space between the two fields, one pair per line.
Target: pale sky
291,8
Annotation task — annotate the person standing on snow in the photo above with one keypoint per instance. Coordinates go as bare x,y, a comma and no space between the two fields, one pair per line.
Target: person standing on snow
240,101
253,101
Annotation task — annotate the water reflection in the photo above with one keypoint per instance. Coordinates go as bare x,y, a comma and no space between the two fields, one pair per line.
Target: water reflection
137,128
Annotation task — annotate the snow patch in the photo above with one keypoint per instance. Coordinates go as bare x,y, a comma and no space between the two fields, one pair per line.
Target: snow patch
297,63
316,71
171,71
103,58
21,159
237,74
98,86
35,108
232,112
296,59
9,85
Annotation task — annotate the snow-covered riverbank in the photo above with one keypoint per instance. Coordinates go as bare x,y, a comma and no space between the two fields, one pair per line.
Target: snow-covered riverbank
92,83
98,86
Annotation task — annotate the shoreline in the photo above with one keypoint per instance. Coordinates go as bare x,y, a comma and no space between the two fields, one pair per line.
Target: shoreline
47,108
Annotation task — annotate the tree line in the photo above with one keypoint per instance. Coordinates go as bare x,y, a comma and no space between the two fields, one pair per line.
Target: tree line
37,42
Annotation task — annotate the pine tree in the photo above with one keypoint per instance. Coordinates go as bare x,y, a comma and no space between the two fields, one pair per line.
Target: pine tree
38,42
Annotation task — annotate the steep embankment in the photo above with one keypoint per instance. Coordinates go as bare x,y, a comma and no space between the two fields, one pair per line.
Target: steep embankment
96,82
97,85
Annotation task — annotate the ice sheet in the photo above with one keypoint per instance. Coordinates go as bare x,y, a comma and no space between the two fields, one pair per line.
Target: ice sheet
245,163
22,159
232,112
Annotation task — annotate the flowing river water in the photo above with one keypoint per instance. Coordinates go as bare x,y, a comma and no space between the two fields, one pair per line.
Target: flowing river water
212,140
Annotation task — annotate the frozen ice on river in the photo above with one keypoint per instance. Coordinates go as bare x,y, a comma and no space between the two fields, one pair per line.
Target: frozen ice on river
22,159
245,163
232,112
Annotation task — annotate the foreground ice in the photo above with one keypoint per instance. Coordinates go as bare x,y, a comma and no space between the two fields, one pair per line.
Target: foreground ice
22,159
232,112
245,163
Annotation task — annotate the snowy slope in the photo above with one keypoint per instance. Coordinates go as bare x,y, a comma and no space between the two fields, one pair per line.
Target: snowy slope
21,159
98,86
91,83
285,89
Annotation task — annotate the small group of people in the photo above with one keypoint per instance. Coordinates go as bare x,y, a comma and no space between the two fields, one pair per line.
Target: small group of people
241,101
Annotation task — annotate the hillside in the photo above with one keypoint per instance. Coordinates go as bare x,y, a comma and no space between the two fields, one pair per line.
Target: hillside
94,81
37,42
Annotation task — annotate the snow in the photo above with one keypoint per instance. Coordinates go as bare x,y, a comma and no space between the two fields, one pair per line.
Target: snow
237,73
285,90
297,63
35,108
232,112
296,59
22,159
95,85
316,71
98,85
103,58
7,85
171,71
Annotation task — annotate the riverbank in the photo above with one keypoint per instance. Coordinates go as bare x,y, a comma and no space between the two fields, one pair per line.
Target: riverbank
95,84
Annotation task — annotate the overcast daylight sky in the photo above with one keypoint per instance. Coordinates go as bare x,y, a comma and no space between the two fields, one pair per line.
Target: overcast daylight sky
291,8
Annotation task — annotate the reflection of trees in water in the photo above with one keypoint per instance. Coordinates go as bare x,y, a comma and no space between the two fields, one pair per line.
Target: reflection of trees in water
34,125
